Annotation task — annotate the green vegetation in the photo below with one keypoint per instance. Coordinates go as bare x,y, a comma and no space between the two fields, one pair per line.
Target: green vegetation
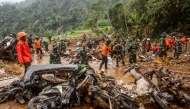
44,17
137,17
103,17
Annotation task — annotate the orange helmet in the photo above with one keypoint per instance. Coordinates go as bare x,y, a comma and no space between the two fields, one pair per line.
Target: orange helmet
21,34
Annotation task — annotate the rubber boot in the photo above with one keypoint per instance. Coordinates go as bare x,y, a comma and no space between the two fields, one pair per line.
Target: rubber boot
165,58
158,59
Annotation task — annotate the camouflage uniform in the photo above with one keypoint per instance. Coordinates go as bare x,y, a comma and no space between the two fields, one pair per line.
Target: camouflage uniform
132,48
55,55
178,48
80,69
83,56
45,45
62,46
143,46
162,49
118,51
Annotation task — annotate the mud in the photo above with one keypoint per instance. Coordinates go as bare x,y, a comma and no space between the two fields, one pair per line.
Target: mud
15,70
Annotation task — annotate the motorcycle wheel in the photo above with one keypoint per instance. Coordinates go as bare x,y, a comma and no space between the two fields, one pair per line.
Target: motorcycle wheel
34,102
4,95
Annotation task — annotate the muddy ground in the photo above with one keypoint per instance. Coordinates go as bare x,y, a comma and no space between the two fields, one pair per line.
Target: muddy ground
15,71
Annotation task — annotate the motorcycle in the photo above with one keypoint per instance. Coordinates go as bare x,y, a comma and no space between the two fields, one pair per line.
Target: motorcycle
62,95
25,89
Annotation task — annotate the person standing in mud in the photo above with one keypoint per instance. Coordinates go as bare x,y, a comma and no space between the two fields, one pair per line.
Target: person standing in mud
123,51
23,51
143,47
45,43
132,48
83,54
178,46
30,44
62,46
162,50
55,55
37,46
84,38
105,51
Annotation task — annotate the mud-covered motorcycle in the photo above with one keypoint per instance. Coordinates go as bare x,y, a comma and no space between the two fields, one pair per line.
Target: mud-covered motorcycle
36,78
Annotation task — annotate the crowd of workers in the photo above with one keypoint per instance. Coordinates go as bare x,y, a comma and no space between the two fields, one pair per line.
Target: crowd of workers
117,49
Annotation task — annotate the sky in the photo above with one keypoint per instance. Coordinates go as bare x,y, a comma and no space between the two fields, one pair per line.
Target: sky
11,1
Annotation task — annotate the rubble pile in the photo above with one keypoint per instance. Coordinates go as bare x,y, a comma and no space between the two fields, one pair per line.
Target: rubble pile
56,86
7,49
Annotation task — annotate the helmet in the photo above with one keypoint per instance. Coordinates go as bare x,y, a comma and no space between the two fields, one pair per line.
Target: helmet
129,39
55,45
21,34
148,38
180,34
108,41
164,34
37,37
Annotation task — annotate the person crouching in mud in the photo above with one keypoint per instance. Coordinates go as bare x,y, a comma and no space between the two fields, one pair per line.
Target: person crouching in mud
105,51
55,55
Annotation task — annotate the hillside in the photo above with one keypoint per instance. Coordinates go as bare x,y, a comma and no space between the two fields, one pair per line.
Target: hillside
43,16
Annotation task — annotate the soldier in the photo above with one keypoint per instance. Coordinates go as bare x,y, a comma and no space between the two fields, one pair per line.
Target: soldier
30,43
84,38
83,54
143,50
132,48
55,55
123,52
45,43
117,41
162,50
89,43
178,46
62,46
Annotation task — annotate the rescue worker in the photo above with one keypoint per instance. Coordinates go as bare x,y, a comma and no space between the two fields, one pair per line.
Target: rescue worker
83,54
132,48
143,50
105,51
168,41
23,51
162,50
89,43
178,46
45,43
37,46
117,41
30,43
148,45
184,42
62,46
84,38
55,55
123,51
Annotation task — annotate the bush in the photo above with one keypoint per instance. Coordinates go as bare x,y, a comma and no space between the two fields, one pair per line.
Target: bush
103,22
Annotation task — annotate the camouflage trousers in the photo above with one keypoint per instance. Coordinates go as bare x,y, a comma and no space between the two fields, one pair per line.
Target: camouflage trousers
143,50
118,58
177,52
162,52
132,58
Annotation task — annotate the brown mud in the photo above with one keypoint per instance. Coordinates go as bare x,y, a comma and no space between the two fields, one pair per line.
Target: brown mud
116,72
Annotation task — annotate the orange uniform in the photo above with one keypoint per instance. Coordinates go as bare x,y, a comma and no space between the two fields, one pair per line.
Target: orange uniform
36,44
183,40
168,42
23,52
105,50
